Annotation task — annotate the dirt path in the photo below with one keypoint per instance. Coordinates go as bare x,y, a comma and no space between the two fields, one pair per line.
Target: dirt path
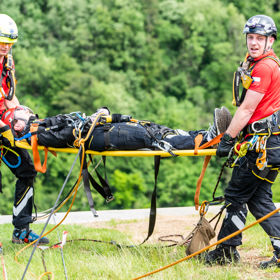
165,225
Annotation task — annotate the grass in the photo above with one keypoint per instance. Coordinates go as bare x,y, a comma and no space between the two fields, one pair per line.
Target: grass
90,260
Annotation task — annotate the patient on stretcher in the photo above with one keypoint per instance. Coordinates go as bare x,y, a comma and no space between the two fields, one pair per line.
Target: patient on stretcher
118,134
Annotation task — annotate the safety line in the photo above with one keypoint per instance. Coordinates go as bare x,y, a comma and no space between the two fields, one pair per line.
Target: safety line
210,246
41,234
61,251
45,213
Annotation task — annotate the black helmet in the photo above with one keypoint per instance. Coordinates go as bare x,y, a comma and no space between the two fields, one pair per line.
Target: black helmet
261,24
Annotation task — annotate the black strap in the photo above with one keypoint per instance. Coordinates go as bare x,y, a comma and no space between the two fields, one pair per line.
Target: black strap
85,175
107,143
1,182
3,74
104,189
153,209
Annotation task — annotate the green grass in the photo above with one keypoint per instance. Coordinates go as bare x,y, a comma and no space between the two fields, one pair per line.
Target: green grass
91,260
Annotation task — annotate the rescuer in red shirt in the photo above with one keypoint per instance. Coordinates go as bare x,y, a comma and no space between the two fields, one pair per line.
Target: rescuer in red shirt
256,121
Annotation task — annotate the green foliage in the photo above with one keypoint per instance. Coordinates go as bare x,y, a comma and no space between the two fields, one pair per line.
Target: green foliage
167,61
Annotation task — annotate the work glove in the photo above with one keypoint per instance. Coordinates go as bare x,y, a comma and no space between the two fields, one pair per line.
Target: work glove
7,136
103,110
226,144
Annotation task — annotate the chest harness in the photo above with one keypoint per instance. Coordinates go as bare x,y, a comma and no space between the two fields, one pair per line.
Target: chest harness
259,131
9,72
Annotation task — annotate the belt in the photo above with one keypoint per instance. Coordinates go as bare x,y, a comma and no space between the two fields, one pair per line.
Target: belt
271,122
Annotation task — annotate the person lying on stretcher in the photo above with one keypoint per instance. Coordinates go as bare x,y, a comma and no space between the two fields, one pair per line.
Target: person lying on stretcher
119,134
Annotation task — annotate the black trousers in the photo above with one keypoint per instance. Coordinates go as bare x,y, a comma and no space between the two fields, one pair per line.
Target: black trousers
133,136
23,199
244,189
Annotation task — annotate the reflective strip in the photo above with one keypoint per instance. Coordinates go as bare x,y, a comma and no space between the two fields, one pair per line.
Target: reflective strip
256,79
242,214
237,222
275,242
18,209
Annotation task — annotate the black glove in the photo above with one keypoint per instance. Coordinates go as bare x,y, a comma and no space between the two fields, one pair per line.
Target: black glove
7,136
227,142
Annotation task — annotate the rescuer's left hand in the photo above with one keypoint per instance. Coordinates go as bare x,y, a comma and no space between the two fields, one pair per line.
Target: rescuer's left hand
7,136
226,144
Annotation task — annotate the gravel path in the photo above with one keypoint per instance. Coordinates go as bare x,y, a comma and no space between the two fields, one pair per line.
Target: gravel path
81,217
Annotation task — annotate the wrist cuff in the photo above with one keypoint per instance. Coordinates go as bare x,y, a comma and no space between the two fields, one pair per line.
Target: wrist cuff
227,137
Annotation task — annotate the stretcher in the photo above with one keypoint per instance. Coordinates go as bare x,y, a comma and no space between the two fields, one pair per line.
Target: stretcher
198,151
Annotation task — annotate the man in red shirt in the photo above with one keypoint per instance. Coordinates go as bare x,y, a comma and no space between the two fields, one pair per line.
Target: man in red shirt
25,172
257,118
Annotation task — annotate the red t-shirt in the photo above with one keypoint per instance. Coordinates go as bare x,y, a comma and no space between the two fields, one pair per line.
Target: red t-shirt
266,80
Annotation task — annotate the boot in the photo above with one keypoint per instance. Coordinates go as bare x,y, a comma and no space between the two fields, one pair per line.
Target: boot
274,261
25,235
225,119
221,121
223,254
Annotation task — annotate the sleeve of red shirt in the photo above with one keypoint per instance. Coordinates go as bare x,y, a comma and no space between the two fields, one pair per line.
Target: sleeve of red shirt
261,75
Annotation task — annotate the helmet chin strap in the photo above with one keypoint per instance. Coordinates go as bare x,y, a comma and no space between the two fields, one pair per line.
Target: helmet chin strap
265,50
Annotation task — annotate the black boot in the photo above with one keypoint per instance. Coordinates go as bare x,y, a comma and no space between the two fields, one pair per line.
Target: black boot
275,261
223,254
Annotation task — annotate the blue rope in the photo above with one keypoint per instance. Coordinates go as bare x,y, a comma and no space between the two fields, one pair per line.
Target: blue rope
9,164
24,137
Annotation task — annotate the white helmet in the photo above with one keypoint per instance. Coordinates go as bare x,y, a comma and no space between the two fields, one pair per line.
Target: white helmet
8,29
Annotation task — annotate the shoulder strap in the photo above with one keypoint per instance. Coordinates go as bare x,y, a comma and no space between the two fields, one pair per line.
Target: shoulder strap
276,59
3,74
9,71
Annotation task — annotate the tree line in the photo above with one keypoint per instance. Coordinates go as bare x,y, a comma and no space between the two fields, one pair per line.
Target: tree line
167,61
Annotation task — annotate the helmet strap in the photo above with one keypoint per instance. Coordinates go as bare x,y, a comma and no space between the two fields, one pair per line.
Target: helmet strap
264,50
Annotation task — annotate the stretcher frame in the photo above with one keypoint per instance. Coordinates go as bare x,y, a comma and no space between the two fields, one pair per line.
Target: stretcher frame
134,153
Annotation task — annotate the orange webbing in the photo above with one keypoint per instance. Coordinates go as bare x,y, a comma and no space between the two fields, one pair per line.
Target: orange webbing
197,142
36,156
199,181
212,142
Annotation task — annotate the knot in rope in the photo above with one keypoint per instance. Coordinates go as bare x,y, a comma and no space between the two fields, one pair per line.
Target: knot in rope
241,149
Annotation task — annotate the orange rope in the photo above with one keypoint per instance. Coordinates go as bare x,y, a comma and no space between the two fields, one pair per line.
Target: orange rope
210,246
